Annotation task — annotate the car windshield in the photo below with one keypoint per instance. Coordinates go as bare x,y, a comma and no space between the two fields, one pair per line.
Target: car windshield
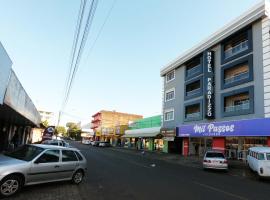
214,155
26,152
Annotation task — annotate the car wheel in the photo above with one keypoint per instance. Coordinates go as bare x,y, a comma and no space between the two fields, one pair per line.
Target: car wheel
77,177
10,185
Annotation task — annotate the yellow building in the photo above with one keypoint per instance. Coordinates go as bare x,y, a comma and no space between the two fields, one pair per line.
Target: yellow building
110,125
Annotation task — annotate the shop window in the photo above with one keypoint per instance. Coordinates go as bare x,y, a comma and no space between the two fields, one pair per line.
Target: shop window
194,68
170,76
238,102
193,88
169,115
237,45
238,72
170,94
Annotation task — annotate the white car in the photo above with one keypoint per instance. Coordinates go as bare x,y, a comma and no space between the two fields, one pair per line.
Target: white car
85,141
56,143
215,160
258,160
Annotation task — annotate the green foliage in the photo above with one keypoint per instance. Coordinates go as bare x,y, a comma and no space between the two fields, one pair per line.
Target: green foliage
74,131
45,123
61,130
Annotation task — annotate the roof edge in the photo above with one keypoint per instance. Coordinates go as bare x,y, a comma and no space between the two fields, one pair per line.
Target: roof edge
254,13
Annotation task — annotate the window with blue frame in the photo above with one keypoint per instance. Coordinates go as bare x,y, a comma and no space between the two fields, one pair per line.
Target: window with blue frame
194,68
237,72
237,45
192,111
238,102
193,89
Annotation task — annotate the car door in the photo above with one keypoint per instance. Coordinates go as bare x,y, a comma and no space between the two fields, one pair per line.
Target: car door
69,163
46,167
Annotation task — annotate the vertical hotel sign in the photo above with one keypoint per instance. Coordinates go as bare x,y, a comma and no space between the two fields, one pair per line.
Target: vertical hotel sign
209,84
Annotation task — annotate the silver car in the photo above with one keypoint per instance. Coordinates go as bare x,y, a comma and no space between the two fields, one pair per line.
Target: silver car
35,164
56,142
215,160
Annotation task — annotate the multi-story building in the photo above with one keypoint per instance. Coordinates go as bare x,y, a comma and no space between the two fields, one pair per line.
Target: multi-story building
217,94
105,123
47,116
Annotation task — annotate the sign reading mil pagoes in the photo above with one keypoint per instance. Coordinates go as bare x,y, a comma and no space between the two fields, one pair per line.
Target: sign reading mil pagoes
250,127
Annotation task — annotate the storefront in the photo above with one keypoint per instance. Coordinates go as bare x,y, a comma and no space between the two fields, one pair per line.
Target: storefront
231,137
146,139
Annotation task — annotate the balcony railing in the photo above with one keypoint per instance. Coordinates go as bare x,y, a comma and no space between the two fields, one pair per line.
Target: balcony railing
192,92
243,106
237,77
193,70
236,49
193,115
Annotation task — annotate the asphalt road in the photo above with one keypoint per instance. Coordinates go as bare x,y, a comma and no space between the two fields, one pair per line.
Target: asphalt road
124,175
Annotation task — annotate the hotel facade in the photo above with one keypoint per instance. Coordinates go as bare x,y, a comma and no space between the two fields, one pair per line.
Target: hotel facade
217,94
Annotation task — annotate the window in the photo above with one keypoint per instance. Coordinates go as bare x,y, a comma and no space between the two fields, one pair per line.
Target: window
49,157
237,45
170,94
26,152
268,156
260,156
238,72
68,155
238,102
193,88
192,111
78,155
193,68
169,115
170,76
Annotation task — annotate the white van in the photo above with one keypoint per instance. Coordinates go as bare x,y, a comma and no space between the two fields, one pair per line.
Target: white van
258,159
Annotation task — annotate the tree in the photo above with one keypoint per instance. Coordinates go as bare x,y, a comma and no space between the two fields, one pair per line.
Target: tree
61,130
74,131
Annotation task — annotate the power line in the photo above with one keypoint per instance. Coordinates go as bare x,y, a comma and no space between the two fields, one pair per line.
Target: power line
101,28
75,43
82,45
73,70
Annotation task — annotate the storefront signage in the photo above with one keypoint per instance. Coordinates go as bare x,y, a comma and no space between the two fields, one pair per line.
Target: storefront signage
249,127
48,133
209,85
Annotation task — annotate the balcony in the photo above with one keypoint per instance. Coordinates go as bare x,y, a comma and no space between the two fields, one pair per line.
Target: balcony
193,70
244,106
236,49
193,92
193,115
95,120
237,77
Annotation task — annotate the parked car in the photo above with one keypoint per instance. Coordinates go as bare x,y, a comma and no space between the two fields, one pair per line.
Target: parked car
104,144
96,143
86,141
56,143
258,160
215,160
37,163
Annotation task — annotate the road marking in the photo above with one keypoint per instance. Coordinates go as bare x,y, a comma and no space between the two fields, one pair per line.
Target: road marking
218,190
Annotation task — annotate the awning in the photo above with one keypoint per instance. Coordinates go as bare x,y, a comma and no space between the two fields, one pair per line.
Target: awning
142,133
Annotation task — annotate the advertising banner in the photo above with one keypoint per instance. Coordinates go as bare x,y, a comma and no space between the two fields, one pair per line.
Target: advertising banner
248,127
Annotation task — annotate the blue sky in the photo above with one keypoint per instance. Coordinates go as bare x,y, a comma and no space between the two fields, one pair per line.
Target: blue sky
122,71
